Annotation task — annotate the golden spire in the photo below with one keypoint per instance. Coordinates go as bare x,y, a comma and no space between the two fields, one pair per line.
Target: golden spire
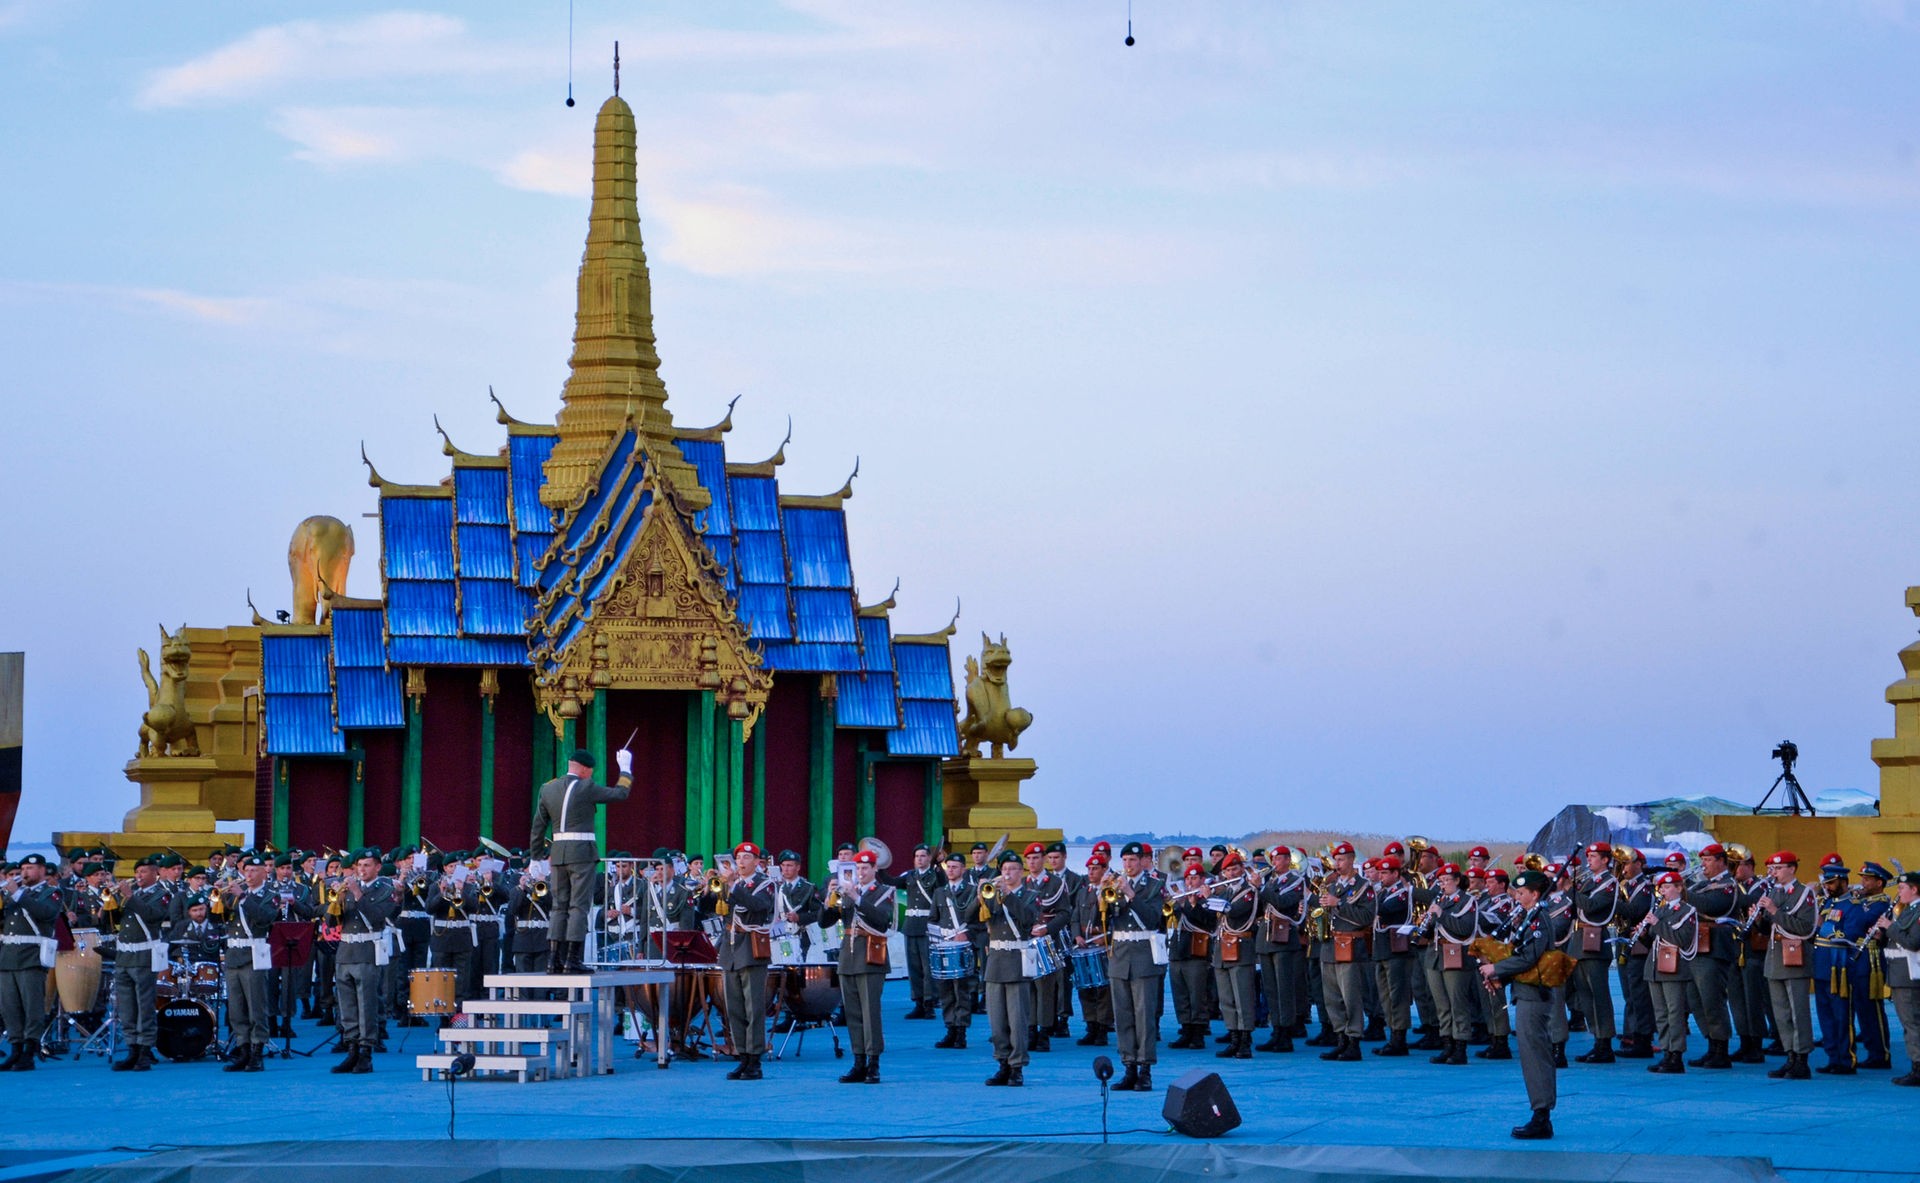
615,361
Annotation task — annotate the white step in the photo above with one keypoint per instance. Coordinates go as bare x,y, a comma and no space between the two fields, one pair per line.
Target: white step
577,983
464,1035
525,1067
523,1006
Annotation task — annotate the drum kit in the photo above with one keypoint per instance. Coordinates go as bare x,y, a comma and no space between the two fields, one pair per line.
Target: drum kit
189,997
432,992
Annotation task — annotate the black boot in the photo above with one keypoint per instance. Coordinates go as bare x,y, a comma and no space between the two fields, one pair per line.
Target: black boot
257,1059
1232,1049
1836,1068
364,1064
1375,1031
1458,1056
144,1062
1043,1042
1279,1041
1669,1064
1396,1045
1540,1127
1496,1049
948,1040
556,958
739,1071
1783,1071
1145,1083
241,1055
1016,1078
1800,1070
1716,1055
1243,1045
856,1074
1430,1041
1096,1036
1635,1047
1338,1051
1602,1053
1446,1053
1350,1054
753,1069
1479,1036
1750,1052
1001,1076
873,1070
1061,1030
1560,1054
960,1038
1326,1038
14,1055
1910,1080
347,1061
1129,1081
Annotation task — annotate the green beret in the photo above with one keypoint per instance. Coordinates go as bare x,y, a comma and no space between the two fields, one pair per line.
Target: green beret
87,869
582,757
76,854
1008,856
388,869
1534,881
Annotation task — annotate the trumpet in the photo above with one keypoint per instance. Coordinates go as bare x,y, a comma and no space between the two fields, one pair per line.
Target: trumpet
989,895
539,890
717,887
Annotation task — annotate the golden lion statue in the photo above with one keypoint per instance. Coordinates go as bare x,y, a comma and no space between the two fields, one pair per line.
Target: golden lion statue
991,717
165,730
318,558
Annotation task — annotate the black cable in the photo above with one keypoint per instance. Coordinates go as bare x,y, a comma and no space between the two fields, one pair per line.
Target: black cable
570,51
449,1106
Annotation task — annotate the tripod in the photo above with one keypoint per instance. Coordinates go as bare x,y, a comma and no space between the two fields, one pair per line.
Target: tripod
1795,799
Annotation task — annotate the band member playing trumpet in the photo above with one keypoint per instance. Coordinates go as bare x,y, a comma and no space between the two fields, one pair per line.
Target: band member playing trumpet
451,901
1795,913
1233,900
917,886
1280,943
743,895
252,910
955,905
1189,955
1008,910
1137,967
1533,938
528,906
1454,919
1675,926
1348,905
139,948
865,909
1900,929
31,904
367,908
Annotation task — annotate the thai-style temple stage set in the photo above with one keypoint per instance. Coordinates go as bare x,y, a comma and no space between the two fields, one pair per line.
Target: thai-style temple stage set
614,579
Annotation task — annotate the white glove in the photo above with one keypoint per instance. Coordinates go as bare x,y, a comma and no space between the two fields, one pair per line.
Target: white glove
624,759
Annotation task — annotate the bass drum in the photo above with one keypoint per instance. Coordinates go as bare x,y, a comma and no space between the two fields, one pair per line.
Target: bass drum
184,1029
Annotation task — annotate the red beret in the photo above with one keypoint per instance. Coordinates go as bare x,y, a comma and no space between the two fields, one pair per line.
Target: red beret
1194,852
1676,856
1714,849
1196,870
1520,860
1394,848
1783,858
1476,872
1833,860
1479,852
1146,850
1605,848
1342,848
1036,848
1452,869
1103,847
1389,863
747,848
1096,860
1232,859
866,858
1669,877
1499,873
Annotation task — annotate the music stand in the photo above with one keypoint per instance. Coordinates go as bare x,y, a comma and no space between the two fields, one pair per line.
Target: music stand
291,942
683,948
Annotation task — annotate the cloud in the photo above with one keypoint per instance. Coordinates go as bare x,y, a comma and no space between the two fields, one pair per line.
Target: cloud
214,310
344,135
386,45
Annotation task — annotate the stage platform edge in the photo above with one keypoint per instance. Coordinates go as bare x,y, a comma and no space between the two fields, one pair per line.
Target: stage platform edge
925,1161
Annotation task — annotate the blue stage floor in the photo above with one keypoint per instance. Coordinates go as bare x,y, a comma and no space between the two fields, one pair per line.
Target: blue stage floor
1828,1128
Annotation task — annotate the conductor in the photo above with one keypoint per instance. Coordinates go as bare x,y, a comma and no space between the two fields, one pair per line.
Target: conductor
567,803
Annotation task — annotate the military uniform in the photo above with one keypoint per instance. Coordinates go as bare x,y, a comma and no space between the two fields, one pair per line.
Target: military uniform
1088,938
1903,978
1715,897
866,911
1343,982
1235,964
1137,971
1841,929
1053,899
296,903
1532,940
1456,923
26,954
1866,976
455,941
1747,992
1796,915
568,804
249,957
1636,898
1279,942
367,910
1498,914
529,927
1190,968
489,914
956,908
745,952
1673,925
412,942
916,887
1011,917
1596,902
1393,958
138,948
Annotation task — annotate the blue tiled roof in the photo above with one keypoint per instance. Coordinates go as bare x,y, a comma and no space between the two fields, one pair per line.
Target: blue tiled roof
876,641
421,608
812,659
366,692
532,521
871,699
927,726
763,610
299,696
494,608
480,495
503,651
709,460
416,537
817,547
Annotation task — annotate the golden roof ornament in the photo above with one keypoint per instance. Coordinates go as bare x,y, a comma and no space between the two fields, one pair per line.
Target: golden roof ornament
165,728
991,717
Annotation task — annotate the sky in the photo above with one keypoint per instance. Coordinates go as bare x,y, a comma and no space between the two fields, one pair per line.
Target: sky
1399,416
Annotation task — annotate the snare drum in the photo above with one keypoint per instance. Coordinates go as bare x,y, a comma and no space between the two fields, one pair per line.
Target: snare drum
208,981
430,992
1089,968
171,981
1041,957
950,961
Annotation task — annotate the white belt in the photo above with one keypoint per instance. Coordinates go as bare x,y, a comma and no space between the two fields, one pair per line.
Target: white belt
573,837
1132,935
359,938
134,946
453,924
919,911
26,939
416,915
1007,946
531,924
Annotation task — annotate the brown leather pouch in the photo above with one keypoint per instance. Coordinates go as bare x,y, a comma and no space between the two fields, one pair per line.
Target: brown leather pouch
1199,944
1452,956
1399,942
759,946
1706,937
1667,961
1757,939
1280,930
1230,947
1793,952
1593,938
876,950
1349,946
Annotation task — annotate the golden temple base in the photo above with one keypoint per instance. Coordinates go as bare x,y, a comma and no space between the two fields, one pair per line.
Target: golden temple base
982,802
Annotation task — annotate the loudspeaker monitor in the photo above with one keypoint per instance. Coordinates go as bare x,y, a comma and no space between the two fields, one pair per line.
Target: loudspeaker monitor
1198,1105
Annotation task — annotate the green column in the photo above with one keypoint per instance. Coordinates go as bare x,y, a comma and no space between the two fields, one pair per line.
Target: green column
542,756
736,776
565,750
820,789
863,791
282,801
701,821
936,807
486,766
597,744
760,787
410,773
357,799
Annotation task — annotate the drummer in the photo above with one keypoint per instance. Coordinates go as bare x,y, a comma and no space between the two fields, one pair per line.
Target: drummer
253,910
955,907
26,954
1090,927
197,937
